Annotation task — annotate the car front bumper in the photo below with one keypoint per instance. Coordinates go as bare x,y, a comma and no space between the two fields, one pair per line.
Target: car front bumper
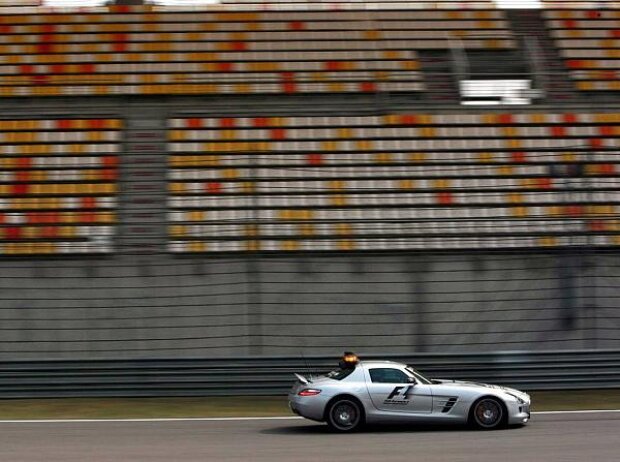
520,414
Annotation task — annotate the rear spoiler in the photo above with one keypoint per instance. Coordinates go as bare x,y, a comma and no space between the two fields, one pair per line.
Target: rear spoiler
302,379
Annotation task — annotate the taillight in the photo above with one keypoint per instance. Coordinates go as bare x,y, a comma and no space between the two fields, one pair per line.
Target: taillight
309,392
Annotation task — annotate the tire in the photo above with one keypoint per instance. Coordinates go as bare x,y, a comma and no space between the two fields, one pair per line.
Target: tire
488,414
345,415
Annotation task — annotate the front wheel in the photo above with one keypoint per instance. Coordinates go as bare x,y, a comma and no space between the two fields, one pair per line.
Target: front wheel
487,414
344,415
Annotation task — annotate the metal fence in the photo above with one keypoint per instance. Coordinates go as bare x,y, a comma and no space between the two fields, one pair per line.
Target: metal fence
273,376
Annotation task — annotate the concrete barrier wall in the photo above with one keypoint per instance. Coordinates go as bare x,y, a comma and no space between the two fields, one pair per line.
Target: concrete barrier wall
163,306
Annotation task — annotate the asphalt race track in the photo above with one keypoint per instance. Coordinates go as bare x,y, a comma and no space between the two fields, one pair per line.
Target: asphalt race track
591,437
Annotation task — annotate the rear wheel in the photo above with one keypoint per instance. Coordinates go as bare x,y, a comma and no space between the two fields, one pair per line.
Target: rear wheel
487,414
344,415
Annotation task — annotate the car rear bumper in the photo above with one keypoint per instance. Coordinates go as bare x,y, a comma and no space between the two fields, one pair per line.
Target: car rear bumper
309,407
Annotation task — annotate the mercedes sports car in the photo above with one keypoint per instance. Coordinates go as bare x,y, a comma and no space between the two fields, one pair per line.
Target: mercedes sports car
373,392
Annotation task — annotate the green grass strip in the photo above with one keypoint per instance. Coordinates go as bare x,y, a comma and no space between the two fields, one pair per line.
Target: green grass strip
251,406
119,408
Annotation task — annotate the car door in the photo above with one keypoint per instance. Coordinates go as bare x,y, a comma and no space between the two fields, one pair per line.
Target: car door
392,389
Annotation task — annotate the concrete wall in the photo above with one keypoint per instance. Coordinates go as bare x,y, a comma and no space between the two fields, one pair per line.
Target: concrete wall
171,307
436,303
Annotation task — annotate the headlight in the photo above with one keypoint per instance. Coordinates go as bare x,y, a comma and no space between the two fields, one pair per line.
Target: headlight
517,397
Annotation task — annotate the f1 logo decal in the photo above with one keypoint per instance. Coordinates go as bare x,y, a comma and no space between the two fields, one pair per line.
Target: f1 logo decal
398,396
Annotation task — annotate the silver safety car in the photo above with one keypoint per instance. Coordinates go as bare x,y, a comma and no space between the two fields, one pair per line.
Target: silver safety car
372,392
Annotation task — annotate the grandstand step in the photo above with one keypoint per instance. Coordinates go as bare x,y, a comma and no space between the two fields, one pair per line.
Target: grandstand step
554,78
144,169
441,84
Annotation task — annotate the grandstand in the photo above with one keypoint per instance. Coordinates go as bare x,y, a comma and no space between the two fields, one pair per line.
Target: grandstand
152,141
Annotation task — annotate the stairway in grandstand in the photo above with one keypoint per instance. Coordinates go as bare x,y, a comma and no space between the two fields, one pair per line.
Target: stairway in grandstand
441,83
555,81
142,212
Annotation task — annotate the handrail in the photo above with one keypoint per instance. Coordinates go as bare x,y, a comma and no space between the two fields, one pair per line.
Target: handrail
528,370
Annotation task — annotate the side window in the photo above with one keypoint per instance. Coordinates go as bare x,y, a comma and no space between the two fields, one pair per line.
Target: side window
385,375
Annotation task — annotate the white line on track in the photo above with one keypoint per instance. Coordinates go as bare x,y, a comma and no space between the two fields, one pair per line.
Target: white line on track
163,419
236,419
588,411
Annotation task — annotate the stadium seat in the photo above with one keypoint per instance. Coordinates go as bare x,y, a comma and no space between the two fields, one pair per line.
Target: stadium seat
19,3
589,43
58,185
391,182
140,50
356,4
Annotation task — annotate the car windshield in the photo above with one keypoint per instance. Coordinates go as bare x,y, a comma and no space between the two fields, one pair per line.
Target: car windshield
419,377
339,374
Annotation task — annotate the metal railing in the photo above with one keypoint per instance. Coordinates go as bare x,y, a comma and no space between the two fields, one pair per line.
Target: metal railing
273,375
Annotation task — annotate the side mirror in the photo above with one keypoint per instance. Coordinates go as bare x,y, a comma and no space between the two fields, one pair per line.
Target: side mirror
411,380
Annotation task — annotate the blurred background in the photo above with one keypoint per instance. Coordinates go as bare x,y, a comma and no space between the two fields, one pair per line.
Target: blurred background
191,181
